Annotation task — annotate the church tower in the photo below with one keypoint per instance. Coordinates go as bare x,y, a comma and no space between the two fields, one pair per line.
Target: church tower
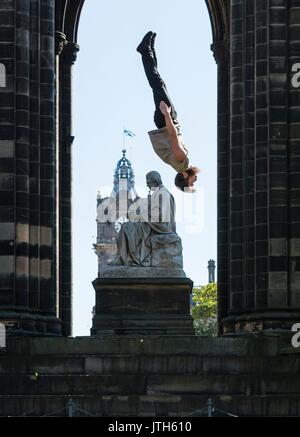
112,211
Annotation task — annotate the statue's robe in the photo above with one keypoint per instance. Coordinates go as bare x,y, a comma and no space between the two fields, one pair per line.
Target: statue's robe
134,241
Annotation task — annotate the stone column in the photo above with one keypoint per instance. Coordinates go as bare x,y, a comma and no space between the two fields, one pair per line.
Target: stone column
264,227
47,157
67,59
220,50
293,116
27,168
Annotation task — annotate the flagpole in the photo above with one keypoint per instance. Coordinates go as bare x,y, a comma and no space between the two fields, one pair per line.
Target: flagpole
126,132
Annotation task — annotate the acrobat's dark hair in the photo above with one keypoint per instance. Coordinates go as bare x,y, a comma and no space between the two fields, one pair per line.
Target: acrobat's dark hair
181,179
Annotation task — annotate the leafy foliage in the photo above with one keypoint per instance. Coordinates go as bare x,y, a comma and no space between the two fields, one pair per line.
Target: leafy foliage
205,310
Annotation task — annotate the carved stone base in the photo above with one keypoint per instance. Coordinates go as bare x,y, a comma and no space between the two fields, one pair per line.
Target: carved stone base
141,306
141,272
23,324
261,321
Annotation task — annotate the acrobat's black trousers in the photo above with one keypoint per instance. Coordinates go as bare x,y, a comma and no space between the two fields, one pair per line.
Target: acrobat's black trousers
159,89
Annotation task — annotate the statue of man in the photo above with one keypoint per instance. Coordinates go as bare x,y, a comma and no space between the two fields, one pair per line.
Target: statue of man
134,241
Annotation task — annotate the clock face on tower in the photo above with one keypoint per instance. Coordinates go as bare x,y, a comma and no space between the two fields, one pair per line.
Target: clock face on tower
119,222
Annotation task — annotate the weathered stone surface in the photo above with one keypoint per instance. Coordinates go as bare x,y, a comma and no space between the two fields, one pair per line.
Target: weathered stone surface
143,306
141,272
162,376
258,188
151,345
167,251
148,405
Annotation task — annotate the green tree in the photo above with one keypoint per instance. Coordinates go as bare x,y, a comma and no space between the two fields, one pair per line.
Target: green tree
204,311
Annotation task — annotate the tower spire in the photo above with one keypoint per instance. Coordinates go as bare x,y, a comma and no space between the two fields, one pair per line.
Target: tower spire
124,175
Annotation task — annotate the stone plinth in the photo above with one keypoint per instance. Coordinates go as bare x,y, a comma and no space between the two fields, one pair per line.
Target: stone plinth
142,306
141,272
273,321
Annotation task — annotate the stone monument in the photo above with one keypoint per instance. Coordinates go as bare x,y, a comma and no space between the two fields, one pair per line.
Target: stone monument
144,289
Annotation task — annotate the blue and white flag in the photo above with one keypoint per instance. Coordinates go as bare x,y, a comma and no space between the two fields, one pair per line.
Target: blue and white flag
128,133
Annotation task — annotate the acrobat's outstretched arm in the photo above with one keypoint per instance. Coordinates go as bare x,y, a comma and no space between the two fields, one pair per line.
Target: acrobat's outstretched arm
178,150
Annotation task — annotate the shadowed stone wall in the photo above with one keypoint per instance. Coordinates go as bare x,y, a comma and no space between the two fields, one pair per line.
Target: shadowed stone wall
150,376
258,163
35,164
27,167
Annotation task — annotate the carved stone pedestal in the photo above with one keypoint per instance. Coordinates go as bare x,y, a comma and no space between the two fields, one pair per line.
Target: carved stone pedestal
142,306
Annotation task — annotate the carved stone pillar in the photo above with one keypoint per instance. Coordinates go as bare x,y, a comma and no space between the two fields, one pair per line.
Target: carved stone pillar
264,289
67,59
28,300
220,51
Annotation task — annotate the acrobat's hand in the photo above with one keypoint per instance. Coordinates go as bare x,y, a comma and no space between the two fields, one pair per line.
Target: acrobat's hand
165,109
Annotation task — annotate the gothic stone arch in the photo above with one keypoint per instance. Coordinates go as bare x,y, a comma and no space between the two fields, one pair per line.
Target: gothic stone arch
256,47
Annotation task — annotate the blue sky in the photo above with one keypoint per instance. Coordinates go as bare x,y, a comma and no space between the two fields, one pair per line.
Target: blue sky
110,91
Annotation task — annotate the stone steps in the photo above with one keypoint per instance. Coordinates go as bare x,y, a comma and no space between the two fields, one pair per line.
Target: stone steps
243,384
150,345
147,365
143,406
151,376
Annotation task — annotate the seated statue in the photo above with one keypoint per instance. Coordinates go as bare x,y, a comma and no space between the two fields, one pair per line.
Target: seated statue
152,241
